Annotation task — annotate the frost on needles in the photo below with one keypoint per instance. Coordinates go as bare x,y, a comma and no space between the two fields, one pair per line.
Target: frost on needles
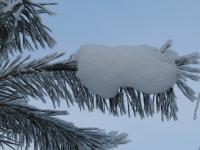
119,80
23,80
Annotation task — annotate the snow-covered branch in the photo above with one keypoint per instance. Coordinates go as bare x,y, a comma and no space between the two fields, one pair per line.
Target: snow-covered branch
104,80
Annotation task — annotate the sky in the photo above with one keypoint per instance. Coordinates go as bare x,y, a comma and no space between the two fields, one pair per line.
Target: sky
132,22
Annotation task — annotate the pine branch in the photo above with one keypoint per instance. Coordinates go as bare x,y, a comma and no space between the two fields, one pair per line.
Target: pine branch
26,124
186,71
7,142
23,79
21,27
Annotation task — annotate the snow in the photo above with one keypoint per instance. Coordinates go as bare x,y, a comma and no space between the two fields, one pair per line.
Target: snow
104,69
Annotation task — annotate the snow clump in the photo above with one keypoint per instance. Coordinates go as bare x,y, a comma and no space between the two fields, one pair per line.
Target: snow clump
104,69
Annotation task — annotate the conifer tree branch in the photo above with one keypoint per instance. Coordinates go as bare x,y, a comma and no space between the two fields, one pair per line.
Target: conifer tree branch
39,78
27,125
21,27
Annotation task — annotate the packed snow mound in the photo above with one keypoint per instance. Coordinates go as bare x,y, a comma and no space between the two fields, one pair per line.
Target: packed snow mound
104,69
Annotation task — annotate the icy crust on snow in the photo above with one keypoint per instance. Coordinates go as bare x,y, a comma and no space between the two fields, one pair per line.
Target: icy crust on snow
104,69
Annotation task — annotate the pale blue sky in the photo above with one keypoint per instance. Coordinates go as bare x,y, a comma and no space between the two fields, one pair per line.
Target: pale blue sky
131,22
